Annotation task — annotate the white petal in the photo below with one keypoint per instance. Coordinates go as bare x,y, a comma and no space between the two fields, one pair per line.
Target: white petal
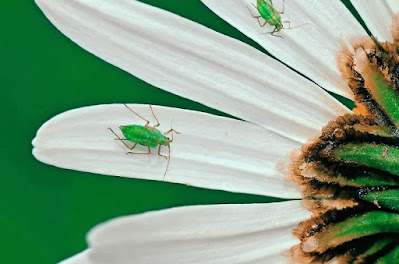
378,16
309,49
81,258
247,233
195,62
211,151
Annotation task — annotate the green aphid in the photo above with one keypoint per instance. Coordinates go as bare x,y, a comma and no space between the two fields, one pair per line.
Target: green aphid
146,135
270,16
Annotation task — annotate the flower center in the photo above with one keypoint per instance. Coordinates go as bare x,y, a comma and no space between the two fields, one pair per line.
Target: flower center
350,174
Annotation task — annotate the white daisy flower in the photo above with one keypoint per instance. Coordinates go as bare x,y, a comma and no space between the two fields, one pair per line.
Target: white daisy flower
280,110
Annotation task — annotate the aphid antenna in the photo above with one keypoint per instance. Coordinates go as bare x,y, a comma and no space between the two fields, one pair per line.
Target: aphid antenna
167,164
272,33
171,130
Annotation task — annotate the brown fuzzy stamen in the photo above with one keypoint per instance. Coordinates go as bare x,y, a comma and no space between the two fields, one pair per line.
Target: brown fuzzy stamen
333,188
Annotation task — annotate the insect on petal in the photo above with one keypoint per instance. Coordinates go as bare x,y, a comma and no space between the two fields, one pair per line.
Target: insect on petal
309,49
211,152
166,52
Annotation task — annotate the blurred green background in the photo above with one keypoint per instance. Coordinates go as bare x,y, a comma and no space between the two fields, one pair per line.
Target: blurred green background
46,211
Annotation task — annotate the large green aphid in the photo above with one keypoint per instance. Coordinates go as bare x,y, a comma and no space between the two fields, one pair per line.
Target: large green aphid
270,16
146,135
350,173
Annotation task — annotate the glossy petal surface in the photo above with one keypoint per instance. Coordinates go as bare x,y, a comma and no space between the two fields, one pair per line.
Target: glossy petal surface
195,62
211,151
378,16
309,49
248,233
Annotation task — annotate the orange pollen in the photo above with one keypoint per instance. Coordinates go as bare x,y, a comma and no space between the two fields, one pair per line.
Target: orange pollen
360,109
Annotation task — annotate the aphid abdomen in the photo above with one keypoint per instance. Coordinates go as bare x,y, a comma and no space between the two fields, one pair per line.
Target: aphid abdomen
141,135
155,138
268,13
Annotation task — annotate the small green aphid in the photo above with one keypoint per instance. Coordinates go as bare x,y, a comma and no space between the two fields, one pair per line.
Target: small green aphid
270,16
147,136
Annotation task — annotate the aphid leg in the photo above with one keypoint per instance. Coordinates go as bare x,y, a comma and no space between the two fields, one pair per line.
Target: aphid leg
257,17
156,119
271,3
254,16
275,30
289,25
171,130
121,139
145,120
282,12
251,11
127,146
159,152
144,153
260,23
134,145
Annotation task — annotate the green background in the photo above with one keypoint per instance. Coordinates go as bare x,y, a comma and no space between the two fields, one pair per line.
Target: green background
46,211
